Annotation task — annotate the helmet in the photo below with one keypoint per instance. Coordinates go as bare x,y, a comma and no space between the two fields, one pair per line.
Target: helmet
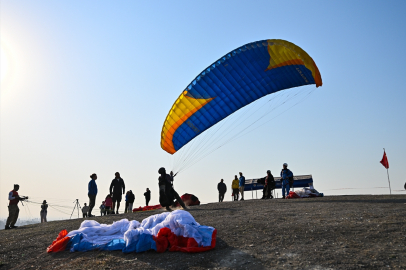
162,170
285,164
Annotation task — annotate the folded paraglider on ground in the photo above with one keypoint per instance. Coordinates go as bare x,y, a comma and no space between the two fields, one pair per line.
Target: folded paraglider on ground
173,231
188,199
304,193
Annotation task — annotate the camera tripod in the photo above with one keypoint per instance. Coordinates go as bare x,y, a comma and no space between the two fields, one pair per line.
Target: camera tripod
77,205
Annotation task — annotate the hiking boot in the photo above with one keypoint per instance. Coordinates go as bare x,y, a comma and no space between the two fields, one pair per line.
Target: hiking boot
168,209
117,213
7,227
13,227
241,199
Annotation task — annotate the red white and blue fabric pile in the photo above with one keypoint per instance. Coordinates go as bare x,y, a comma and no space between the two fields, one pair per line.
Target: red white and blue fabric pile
173,231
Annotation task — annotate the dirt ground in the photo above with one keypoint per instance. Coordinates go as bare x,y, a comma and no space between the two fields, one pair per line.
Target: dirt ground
337,232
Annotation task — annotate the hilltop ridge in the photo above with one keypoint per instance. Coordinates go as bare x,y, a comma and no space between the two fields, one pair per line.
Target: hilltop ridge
339,232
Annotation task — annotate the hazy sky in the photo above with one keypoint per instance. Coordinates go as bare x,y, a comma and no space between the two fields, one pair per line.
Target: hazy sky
86,86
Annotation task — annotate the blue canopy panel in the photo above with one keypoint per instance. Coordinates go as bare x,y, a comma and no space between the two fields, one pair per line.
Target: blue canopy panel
298,181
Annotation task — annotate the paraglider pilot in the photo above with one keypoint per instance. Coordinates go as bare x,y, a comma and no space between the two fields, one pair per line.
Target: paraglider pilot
166,191
13,209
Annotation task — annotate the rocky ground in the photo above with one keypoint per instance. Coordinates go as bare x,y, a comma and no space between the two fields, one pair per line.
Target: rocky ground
339,232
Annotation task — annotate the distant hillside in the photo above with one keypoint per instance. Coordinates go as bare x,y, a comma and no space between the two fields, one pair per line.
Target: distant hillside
341,232
20,222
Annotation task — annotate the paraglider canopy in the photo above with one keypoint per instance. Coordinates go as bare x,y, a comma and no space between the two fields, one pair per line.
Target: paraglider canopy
235,80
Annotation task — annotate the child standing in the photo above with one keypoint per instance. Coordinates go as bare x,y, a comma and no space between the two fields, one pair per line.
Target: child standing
102,209
108,202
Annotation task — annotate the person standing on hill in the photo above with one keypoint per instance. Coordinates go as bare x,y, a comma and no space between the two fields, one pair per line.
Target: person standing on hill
130,201
85,210
108,202
286,176
117,188
92,193
44,211
147,195
242,185
102,209
269,185
126,202
222,188
166,191
13,209
235,187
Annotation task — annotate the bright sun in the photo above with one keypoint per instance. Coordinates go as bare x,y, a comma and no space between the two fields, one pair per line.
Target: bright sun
3,64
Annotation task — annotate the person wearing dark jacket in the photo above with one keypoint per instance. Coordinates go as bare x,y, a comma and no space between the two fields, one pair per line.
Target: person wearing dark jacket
269,184
117,187
92,193
147,195
167,193
130,201
222,188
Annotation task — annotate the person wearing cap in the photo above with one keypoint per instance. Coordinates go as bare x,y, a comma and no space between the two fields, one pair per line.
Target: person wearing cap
241,182
92,193
167,193
44,211
286,175
222,188
13,209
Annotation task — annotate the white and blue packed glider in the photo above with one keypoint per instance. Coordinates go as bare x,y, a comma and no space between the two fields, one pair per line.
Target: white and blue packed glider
176,231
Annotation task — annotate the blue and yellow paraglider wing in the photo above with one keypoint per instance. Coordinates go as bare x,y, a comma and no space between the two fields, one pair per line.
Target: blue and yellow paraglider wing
234,81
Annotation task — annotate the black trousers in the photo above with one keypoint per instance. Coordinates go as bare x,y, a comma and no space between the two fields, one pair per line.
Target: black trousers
221,197
236,191
92,202
147,201
267,192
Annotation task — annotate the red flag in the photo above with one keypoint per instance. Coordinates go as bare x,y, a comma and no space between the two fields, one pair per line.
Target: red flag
384,160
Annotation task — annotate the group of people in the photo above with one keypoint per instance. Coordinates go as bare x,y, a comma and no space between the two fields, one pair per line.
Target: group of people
167,194
111,203
238,185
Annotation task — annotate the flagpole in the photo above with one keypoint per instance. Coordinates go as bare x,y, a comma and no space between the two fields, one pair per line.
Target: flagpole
387,171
